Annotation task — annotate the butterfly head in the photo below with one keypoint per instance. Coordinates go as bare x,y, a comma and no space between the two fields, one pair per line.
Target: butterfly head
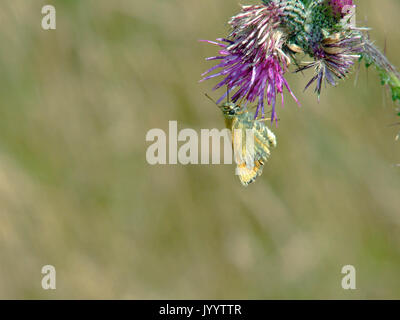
230,109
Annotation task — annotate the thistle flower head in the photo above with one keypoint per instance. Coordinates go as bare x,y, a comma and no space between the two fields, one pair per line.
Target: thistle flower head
265,39
252,60
333,59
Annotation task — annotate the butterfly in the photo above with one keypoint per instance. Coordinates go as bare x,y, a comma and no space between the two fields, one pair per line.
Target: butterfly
252,141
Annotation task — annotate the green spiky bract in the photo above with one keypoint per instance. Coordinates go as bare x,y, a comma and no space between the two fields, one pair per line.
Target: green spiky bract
308,22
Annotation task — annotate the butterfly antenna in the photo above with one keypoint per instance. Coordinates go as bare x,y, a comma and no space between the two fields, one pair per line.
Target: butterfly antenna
210,98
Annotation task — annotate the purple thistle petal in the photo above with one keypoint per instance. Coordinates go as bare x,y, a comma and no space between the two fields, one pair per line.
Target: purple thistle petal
213,42
215,58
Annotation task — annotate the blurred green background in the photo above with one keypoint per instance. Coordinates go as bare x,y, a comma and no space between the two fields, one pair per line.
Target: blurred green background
76,191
